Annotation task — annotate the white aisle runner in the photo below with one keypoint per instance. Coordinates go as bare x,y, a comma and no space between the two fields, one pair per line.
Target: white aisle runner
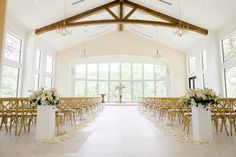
121,131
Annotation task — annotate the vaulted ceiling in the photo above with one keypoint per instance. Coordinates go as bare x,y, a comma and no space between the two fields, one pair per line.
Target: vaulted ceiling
209,14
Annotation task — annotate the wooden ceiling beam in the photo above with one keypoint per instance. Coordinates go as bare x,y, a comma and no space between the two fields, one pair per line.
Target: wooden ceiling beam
54,26
121,14
94,22
124,21
130,13
170,21
112,14
166,17
153,23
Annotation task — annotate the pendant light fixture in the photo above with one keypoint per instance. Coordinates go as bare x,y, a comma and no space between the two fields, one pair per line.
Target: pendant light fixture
84,55
157,55
181,29
63,29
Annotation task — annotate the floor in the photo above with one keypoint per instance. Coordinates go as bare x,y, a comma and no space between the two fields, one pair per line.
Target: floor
118,131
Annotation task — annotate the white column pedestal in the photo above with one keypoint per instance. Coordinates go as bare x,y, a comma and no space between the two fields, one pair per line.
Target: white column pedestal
201,123
45,124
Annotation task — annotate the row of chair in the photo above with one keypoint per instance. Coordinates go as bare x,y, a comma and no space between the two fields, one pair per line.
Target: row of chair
223,114
18,114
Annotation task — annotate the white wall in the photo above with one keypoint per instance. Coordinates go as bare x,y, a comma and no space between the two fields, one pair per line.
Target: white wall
121,43
212,44
30,44
34,43
209,43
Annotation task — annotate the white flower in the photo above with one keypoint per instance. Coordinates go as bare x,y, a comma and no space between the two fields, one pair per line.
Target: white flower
50,98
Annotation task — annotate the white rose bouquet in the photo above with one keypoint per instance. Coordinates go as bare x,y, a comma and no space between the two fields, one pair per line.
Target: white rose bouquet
44,97
200,96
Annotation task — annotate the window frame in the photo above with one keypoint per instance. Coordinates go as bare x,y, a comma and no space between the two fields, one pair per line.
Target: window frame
52,68
18,78
224,76
110,81
225,64
189,66
39,61
13,63
21,46
222,47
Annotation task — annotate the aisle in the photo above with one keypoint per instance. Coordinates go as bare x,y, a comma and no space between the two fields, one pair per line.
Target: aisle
121,131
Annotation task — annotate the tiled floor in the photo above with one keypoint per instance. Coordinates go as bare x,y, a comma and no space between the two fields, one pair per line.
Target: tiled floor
119,131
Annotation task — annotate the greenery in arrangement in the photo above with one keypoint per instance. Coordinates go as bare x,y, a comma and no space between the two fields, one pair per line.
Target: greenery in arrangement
44,97
204,97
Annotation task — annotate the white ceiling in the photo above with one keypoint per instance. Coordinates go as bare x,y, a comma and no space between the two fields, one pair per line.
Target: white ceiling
210,14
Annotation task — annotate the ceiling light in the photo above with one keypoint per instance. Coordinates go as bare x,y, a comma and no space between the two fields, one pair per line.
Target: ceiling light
63,29
157,55
181,28
84,55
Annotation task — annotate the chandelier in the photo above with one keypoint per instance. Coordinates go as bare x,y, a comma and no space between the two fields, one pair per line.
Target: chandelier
63,29
181,29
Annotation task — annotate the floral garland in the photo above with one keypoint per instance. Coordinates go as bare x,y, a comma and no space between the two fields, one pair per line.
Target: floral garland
44,97
204,97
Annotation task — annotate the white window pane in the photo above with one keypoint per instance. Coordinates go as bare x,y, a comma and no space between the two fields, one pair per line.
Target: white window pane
229,47
149,88
103,71
129,74
9,86
230,82
126,94
103,88
80,71
148,72
115,71
126,71
48,82
204,59
137,71
192,65
49,67
92,72
12,47
113,93
205,82
80,88
92,88
137,90
36,81
161,72
38,59
161,89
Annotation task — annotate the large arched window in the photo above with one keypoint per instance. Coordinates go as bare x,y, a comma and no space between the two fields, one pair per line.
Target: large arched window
138,79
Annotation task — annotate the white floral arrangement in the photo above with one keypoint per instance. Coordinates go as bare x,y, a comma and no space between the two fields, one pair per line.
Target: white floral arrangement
44,97
204,97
